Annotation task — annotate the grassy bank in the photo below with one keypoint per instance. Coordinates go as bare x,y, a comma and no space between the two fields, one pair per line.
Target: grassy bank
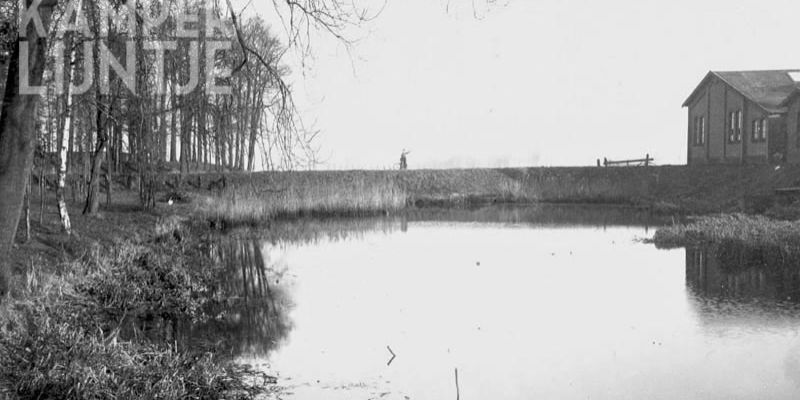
73,327
666,190
304,195
752,231
91,320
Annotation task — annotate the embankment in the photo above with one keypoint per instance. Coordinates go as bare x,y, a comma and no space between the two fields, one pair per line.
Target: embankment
678,189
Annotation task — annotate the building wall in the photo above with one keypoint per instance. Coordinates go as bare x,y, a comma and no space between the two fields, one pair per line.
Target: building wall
698,153
757,151
778,140
792,134
716,151
733,102
715,103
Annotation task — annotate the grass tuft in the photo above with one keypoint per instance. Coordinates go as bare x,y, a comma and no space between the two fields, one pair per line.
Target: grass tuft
46,356
746,230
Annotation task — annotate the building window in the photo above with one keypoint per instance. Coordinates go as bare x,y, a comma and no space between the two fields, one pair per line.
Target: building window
739,126
731,127
759,130
735,122
702,130
699,131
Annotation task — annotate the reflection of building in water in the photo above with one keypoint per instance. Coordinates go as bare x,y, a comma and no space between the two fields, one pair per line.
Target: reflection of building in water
722,272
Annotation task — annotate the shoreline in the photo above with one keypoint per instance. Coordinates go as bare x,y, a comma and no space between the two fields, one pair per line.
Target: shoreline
684,190
51,264
97,312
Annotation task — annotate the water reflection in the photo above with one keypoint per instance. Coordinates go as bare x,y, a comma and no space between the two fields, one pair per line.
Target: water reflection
755,288
253,317
527,302
550,215
748,299
314,230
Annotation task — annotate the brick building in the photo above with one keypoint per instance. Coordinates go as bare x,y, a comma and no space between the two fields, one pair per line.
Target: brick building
745,117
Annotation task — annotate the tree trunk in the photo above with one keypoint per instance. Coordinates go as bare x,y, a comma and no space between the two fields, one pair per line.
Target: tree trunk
118,147
27,208
108,179
255,125
93,189
93,192
185,127
63,213
18,136
88,141
65,110
42,190
173,155
229,137
160,149
64,136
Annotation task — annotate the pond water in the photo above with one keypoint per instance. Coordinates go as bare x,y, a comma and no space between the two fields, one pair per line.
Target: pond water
524,302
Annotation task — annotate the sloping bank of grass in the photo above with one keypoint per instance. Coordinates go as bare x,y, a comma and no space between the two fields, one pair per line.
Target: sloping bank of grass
751,231
76,334
684,190
254,198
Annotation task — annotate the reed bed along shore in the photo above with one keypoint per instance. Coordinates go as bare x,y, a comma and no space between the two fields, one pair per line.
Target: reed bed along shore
751,231
253,197
354,196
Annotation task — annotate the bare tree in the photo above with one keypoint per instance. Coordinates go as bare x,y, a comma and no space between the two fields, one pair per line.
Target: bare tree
63,144
101,134
18,130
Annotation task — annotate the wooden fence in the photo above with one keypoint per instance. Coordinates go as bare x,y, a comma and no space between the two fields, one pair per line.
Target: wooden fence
646,162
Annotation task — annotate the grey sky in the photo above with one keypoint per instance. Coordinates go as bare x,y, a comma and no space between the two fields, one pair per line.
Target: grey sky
537,82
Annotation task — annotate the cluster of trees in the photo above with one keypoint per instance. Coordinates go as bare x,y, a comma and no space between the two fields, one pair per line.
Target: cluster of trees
139,119
155,110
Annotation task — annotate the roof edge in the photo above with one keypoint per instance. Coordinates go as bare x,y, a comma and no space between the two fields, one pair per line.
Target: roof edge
696,90
716,74
790,98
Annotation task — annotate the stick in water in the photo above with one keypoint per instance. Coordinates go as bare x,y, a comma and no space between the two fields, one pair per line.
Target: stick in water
458,391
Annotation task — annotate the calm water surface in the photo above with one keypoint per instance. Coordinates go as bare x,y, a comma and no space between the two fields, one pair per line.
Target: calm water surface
527,303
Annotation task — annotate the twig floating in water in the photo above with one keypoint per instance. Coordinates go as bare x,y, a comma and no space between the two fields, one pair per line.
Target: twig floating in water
393,356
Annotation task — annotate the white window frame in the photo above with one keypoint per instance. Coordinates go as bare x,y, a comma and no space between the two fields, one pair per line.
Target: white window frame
702,123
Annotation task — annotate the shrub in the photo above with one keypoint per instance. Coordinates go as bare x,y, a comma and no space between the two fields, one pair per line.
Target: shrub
63,340
146,281
44,355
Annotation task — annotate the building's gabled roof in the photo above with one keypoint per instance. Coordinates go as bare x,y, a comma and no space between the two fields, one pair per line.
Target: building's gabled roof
768,89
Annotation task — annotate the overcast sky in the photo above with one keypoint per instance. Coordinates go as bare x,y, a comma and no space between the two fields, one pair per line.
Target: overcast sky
537,82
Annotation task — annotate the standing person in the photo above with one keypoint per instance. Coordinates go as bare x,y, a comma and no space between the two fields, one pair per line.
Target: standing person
404,160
